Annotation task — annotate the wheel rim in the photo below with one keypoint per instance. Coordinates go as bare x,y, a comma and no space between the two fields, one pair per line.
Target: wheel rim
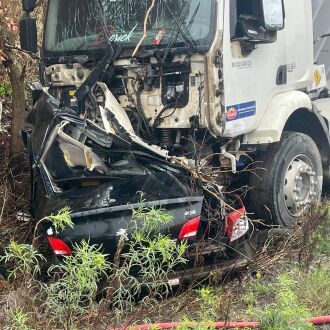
300,186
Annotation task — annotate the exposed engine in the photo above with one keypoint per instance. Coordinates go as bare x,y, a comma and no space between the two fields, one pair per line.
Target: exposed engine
163,101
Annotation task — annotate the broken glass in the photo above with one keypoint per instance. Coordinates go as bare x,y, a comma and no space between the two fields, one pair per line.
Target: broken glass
83,25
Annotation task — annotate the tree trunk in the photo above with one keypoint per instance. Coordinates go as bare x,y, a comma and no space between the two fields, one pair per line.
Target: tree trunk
16,76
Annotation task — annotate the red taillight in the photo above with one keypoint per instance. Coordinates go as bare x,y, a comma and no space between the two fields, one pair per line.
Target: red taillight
59,247
190,228
237,224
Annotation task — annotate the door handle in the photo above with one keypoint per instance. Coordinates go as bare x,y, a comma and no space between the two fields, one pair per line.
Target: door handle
282,75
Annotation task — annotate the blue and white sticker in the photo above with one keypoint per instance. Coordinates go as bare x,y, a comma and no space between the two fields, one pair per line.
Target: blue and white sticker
240,111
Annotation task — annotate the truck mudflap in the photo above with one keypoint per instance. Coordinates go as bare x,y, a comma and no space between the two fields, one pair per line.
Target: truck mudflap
322,116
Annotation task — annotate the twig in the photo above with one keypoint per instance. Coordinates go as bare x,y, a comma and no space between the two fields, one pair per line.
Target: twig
40,2
197,175
34,56
145,27
0,114
3,204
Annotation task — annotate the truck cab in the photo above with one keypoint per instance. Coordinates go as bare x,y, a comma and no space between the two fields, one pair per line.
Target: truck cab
232,85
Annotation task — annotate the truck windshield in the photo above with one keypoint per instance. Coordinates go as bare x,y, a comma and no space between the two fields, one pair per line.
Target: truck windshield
76,26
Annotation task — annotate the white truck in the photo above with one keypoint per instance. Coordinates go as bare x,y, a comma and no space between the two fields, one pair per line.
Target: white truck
234,84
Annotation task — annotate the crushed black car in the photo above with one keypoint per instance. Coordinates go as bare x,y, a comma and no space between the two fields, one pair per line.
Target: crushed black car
98,169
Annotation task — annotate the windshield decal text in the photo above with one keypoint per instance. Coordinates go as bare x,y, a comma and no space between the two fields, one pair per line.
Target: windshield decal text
123,37
108,33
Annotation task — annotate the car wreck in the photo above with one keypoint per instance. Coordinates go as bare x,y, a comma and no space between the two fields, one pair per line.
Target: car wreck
96,168
93,145
161,96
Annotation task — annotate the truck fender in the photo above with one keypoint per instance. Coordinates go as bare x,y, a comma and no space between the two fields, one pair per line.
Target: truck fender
322,139
276,116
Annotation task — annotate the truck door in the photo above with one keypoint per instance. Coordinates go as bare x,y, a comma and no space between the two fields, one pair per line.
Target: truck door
259,64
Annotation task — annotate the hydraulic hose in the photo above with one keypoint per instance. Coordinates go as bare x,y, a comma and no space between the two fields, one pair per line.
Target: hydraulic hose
321,320
174,325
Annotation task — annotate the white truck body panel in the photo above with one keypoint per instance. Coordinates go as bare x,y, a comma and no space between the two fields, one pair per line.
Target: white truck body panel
321,14
250,89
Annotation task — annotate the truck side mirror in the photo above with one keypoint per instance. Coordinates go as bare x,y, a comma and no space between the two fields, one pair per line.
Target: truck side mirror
29,5
273,14
28,33
256,22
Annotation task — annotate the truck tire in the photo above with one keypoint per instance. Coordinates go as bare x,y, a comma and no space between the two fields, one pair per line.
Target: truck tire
326,179
290,181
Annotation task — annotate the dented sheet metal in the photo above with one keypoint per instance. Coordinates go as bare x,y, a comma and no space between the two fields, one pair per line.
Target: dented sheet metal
76,154
67,148
114,110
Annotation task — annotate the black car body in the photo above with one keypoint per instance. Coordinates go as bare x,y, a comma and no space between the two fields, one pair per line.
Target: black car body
100,176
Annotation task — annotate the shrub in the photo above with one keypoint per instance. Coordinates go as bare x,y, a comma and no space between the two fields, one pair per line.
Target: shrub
23,260
73,293
145,259
19,320
147,262
208,304
323,236
313,289
60,221
286,312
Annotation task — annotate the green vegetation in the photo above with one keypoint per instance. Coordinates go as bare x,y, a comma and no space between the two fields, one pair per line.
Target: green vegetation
70,293
282,302
312,289
150,256
208,304
282,296
286,311
23,260
137,283
73,293
5,89
323,237
19,320
60,221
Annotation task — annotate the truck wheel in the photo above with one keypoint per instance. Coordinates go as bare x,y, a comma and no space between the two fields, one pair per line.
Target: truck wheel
326,179
290,181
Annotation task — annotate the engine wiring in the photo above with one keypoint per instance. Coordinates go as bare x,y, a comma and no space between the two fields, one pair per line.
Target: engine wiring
158,120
